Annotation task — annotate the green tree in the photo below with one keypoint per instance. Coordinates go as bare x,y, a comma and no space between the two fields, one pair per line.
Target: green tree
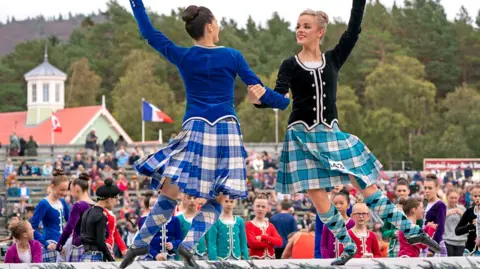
385,135
83,85
137,83
350,114
13,97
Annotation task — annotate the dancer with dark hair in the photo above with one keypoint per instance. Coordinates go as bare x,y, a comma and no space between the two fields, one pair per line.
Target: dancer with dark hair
317,155
207,158
94,229
53,212
79,192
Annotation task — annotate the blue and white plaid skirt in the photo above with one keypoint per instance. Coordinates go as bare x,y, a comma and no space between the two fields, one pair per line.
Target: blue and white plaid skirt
49,256
203,160
323,158
92,256
76,254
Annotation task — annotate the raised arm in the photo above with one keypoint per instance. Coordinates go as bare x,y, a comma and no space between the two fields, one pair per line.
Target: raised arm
270,98
348,40
155,38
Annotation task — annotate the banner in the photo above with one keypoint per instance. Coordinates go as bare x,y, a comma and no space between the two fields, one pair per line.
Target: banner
450,164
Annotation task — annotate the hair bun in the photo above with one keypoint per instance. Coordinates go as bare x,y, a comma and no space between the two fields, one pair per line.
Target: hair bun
108,182
190,13
58,172
402,201
84,176
323,15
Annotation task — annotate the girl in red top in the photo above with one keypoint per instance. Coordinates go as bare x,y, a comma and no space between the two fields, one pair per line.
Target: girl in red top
413,208
113,234
365,240
262,236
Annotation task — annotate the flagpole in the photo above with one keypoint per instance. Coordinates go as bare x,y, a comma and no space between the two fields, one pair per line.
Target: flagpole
53,133
143,124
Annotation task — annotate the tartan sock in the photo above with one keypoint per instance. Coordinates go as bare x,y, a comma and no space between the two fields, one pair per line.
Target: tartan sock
161,212
336,224
387,211
201,223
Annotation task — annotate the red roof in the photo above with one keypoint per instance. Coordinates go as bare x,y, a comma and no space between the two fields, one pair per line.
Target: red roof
72,120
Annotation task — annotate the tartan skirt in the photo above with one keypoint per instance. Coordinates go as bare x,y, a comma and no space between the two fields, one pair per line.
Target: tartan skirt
92,256
323,158
203,161
76,254
49,256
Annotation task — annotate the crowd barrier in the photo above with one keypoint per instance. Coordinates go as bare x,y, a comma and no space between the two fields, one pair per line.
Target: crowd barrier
386,263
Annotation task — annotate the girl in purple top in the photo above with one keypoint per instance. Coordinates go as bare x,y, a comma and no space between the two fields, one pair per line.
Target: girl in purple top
436,212
330,246
79,192
25,249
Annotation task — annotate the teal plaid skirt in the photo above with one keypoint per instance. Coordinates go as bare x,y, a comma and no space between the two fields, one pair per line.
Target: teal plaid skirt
323,158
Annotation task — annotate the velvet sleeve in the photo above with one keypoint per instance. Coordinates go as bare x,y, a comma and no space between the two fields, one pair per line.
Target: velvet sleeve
37,217
273,238
212,247
282,85
270,98
440,220
318,235
72,222
465,225
251,238
37,252
100,236
118,240
348,40
177,233
243,239
10,255
155,38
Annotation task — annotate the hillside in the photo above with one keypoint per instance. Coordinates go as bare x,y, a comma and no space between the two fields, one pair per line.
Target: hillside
16,32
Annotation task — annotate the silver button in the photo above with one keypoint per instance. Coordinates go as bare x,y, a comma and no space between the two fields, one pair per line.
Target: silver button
314,109
324,95
324,107
313,85
324,119
321,71
314,97
314,121
311,73
324,83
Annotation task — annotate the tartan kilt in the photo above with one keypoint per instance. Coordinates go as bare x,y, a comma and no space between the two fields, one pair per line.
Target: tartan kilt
76,253
49,256
92,256
203,160
323,158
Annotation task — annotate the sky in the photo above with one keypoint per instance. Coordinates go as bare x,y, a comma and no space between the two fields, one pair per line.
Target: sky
239,10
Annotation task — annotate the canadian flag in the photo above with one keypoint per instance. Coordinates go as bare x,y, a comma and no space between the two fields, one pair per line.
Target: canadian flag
56,124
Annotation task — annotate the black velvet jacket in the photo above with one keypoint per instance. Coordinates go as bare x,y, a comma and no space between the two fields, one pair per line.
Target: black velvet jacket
314,91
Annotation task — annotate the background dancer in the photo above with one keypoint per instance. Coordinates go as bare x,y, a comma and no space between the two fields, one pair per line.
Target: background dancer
207,158
53,212
94,224
316,154
227,239
79,192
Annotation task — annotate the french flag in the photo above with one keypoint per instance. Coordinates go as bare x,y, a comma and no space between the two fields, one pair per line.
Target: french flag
153,113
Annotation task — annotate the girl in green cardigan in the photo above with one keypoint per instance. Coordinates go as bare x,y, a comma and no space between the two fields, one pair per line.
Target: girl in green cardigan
227,238
185,219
